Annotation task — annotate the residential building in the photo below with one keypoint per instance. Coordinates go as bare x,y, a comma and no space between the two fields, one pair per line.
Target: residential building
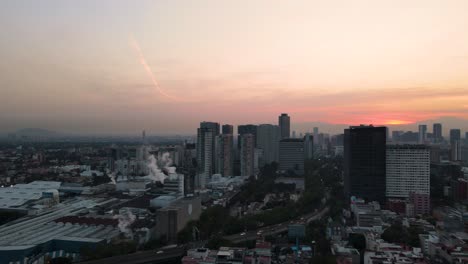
247,155
291,155
227,129
268,137
407,170
437,132
422,136
224,155
206,136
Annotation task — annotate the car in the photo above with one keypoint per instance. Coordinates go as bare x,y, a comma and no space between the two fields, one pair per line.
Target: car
160,252
242,234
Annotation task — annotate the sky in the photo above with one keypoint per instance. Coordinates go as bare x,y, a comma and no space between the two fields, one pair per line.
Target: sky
113,66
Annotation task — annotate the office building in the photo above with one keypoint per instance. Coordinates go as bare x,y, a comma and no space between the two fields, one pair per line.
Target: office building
456,150
455,135
364,162
315,134
407,170
246,129
268,137
247,155
224,154
422,136
291,155
206,136
308,146
284,122
228,129
455,144
173,218
437,132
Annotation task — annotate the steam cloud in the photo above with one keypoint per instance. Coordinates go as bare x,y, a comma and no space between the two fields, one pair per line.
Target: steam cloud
163,161
111,176
125,220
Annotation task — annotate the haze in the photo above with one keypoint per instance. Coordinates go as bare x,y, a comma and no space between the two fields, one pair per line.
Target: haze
121,66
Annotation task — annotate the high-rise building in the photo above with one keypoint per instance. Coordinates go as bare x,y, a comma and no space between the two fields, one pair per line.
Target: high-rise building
456,149
206,136
437,132
143,136
455,134
284,122
407,170
268,137
224,155
364,162
228,129
308,146
291,155
466,138
247,154
455,144
246,129
422,136
315,134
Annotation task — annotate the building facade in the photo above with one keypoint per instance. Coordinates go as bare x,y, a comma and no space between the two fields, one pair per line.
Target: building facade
227,129
284,122
268,137
308,146
224,155
364,162
291,155
407,170
422,136
206,136
247,155
437,132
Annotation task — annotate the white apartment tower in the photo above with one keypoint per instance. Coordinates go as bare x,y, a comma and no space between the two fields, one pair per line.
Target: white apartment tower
407,170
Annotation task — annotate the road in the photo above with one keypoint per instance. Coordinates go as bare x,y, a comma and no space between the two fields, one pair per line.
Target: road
275,229
143,257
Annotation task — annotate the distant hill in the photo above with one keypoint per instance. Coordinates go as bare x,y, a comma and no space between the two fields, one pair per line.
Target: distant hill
447,124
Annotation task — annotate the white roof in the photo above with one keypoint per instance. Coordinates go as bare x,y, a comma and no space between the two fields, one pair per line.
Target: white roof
19,194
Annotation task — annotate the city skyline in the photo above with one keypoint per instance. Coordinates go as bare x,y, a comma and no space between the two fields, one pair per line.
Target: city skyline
117,66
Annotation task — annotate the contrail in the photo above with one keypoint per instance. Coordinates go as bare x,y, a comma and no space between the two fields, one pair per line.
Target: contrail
137,48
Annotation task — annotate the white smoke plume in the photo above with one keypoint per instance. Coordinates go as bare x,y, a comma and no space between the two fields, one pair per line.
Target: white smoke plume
126,218
111,176
163,161
155,173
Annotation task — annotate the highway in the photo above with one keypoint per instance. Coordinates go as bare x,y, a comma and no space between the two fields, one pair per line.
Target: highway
275,229
172,255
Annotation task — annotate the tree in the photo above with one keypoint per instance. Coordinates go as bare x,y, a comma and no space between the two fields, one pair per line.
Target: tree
217,242
61,260
357,241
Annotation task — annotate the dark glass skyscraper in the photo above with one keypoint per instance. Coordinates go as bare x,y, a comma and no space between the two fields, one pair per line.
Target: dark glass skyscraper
364,162
284,122
246,129
437,132
228,129
455,135
206,136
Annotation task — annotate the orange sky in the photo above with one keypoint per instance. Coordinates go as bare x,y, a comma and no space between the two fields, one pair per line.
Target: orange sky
120,66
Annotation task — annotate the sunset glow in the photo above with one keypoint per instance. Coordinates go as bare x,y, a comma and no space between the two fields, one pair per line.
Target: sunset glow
230,61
